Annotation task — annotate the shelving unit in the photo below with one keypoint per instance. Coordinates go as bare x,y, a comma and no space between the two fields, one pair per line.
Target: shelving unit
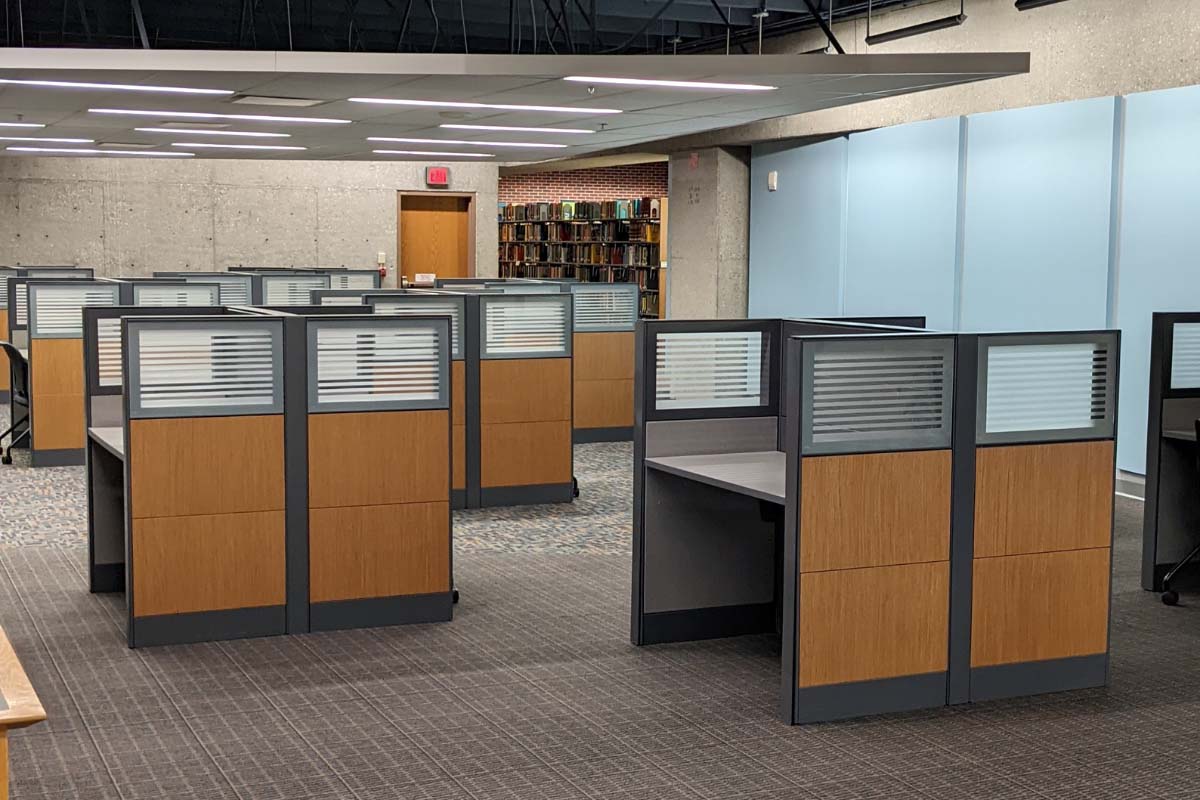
613,241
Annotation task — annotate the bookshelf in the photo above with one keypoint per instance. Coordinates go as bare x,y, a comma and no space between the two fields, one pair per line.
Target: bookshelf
609,241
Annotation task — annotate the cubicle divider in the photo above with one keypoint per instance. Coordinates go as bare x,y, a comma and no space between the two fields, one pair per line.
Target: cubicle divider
168,292
5,376
285,288
354,279
18,300
1171,527
56,378
348,297
923,518
234,289
604,315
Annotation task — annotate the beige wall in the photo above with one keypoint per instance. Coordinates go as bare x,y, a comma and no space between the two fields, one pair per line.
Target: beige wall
128,216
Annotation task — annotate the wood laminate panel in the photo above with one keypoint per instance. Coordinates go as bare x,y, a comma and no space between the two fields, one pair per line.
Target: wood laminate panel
3,764
1035,498
5,378
21,705
379,551
1039,606
869,624
378,458
603,404
458,392
56,386
205,465
525,454
604,355
434,235
208,563
524,390
458,438
874,510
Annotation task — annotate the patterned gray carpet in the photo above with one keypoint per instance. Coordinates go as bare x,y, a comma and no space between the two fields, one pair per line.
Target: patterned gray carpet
533,692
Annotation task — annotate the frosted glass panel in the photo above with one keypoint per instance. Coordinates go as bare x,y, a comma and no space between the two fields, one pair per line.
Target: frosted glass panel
291,290
612,307
721,369
526,325
377,366
108,351
57,309
194,295
415,307
1185,355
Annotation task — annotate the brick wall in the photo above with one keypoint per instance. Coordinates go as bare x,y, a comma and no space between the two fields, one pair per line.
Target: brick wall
601,183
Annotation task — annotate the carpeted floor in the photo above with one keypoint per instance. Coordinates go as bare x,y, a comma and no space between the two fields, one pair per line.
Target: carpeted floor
534,693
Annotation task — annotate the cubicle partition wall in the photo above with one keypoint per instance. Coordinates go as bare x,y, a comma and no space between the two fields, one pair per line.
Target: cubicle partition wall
169,292
234,289
603,353
207,544
56,378
354,279
284,287
463,381
1172,516
379,467
17,300
525,399
348,297
5,377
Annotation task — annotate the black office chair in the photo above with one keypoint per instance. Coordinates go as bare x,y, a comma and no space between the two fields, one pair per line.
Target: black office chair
20,397
1169,595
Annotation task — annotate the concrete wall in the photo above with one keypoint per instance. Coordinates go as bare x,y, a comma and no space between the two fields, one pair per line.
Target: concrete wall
134,216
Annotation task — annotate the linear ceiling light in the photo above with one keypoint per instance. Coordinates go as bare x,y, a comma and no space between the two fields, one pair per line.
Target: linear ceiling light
210,132
653,82
22,125
432,153
223,146
917,30
94,152
45,139
485,106
515,128
123,87
205,115
460,141
1025,5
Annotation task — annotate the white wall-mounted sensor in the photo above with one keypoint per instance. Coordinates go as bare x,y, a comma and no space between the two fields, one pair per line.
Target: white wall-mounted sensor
772,180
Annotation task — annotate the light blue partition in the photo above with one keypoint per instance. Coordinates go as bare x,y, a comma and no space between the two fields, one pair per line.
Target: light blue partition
796,236
902,221
1159,254
1037,217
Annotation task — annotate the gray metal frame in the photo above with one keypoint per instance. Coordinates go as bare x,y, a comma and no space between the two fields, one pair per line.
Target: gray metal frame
563,299
416,299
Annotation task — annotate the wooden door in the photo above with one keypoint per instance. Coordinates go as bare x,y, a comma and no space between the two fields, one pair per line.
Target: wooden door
435,235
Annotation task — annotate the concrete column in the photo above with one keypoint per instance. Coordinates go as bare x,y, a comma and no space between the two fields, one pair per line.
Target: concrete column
709,233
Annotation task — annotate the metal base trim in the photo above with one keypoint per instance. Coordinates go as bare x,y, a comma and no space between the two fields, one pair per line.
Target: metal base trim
715,622
5,396
590,435
458,499
863,698
107,578
57,458
207,626
1038,677
376,612
526,495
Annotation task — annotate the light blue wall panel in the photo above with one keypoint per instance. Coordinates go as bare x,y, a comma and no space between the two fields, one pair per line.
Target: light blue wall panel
796,232
1036,226
902,206
1159,254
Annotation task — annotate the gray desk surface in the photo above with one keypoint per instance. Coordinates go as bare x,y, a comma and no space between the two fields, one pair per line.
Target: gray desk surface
1183,434
760,475
24,351
111,439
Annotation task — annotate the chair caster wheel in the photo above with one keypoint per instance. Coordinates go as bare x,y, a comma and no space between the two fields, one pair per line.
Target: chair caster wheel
454,597
6,460
1170,598
574,487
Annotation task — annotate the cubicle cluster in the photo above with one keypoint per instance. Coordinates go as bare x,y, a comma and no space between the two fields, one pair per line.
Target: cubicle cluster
924,518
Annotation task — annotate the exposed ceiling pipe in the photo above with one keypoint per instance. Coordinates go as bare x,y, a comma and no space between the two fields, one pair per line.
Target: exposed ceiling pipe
915,30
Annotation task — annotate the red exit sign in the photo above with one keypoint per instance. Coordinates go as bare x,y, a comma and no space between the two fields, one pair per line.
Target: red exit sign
437,176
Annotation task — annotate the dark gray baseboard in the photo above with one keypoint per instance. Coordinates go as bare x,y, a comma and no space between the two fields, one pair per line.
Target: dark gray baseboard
376,612
107,578
458,498
527,495
863,698
707,623
592,435
5,396
207,626
1038,677
57,458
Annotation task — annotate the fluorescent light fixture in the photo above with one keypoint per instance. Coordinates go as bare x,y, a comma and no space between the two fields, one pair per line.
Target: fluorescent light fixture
459,141
581,110
266,100
223,146
22,125
94,152
916,30
656,83
432,153
204,115
123,87
210,132
44,139
514,128
1025,5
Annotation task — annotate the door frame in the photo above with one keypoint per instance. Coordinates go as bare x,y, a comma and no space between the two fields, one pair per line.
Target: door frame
471,201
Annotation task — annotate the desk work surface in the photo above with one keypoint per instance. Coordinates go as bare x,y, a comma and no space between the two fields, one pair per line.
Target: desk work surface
111,439
19,704
761,475
24,351
1182,434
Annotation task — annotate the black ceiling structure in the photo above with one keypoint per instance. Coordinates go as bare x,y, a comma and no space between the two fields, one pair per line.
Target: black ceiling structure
407,26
